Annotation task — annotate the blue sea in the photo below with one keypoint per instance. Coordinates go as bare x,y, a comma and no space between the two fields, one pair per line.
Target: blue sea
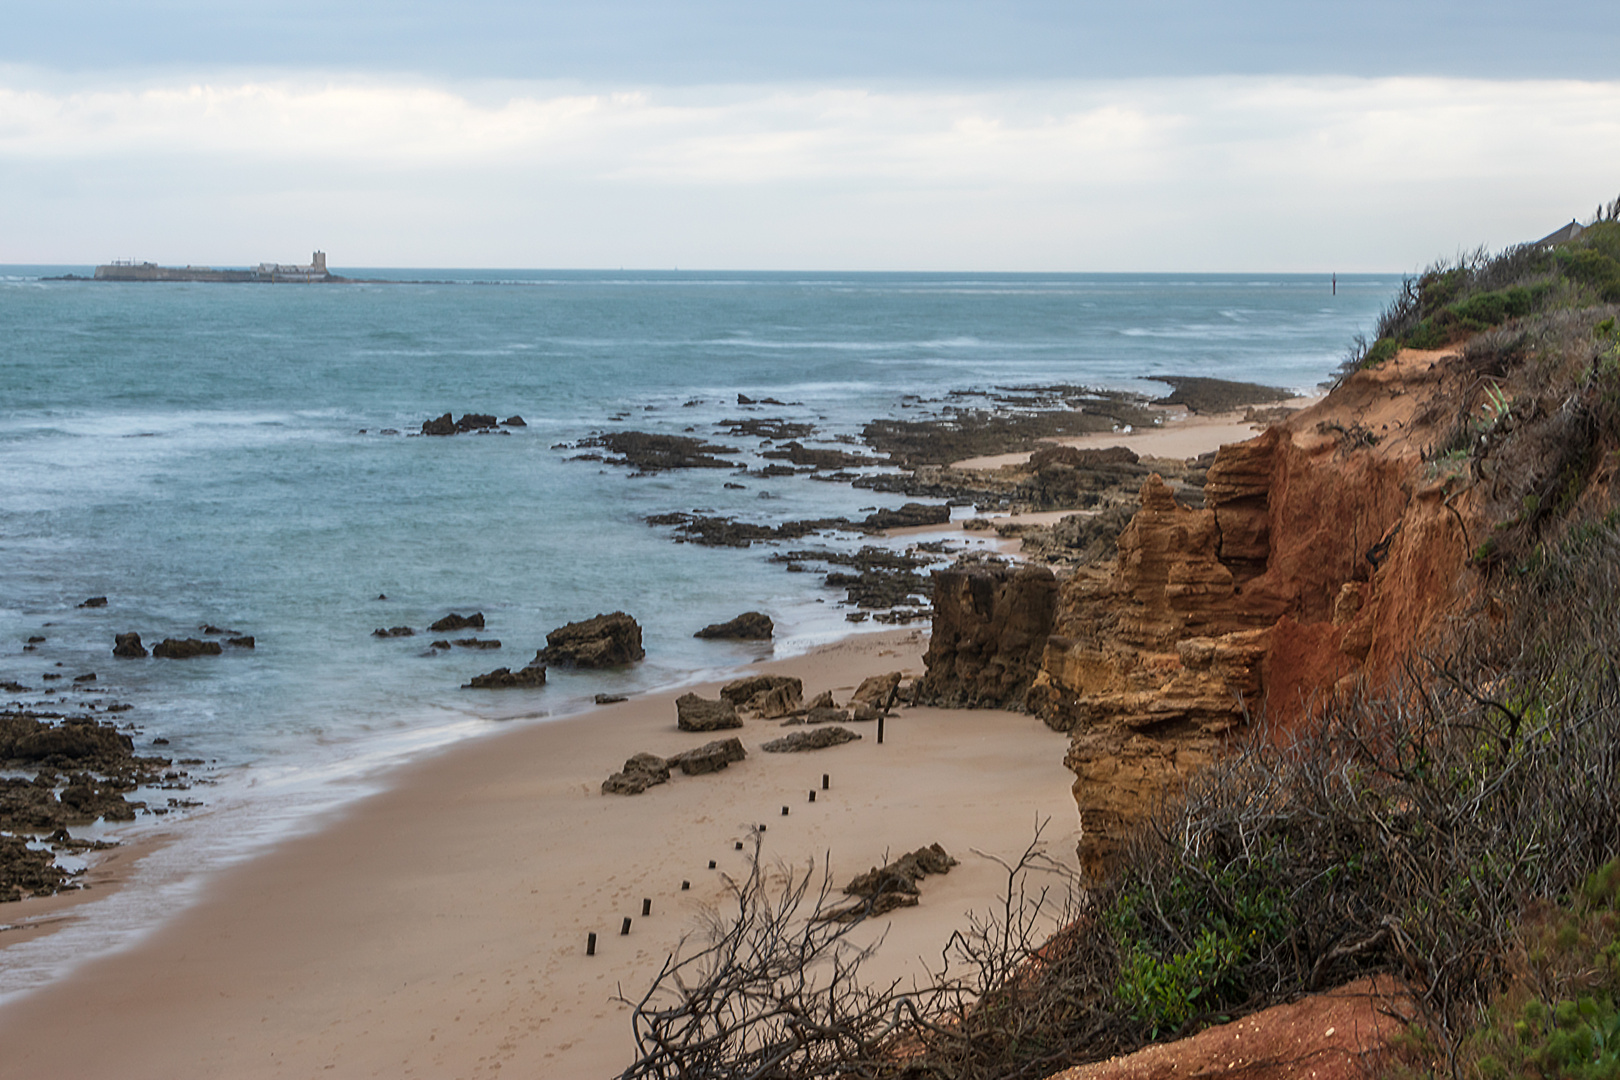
221,454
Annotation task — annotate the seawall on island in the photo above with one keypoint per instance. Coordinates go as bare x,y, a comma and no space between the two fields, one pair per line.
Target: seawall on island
267,272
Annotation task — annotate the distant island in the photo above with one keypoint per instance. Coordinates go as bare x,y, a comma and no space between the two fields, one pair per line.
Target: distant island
129,270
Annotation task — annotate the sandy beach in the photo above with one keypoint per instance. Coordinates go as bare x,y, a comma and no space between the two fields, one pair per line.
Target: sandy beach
1182,435
439,928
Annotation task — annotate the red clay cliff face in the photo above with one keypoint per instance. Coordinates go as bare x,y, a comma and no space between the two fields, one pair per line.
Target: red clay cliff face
1325,550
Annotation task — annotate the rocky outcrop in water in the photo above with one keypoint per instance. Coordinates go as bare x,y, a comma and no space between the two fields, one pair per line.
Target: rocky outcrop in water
506,679
128,645
650,452
749,626
478,423
610,640
454,621
185,648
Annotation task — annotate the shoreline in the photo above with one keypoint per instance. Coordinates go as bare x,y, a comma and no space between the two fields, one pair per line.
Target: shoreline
368,866
431,925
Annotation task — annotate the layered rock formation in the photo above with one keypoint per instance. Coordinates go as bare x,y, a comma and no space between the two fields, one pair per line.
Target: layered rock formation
991,624
1324,550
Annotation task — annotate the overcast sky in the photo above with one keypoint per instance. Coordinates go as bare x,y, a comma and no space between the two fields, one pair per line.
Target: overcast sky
1168,135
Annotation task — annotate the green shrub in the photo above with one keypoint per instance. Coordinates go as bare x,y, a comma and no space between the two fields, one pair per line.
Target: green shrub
1383,349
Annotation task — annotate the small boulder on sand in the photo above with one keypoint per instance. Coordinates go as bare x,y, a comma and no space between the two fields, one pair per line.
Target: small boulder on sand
693,713
710,757
878,689
640,773
894,885
770,697
819,739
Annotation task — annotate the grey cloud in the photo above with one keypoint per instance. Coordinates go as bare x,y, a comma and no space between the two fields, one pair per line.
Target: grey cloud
721,41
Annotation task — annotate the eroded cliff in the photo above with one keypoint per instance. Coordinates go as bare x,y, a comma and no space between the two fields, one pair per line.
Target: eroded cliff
1325,549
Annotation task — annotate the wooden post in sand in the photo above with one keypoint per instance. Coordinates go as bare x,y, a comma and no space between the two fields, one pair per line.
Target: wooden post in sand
880,729
590,944
784,811
812,794
824,781
646,908
624,931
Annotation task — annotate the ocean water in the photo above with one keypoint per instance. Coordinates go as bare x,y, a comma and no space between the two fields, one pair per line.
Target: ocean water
213,454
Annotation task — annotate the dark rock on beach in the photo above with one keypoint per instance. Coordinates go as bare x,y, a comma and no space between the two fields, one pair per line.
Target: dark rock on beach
475,643
453,621
710,757
883,889
991,626
609,640
513,421
128,645
818,739
27,872
879,690
507,679
244,642
694,713
610,699
639,773
769,697
394,631
749,626
185,648
95,601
